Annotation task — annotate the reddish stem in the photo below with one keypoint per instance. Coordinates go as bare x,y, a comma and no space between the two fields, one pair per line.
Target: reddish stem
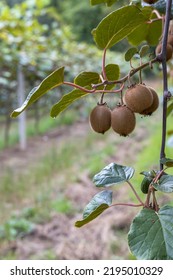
79,87
127,204
103,65
137,196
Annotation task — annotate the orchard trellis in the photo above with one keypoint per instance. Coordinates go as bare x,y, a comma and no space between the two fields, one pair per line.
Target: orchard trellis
151,232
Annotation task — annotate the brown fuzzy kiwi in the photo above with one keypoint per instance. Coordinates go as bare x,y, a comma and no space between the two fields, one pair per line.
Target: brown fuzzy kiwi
170,39
169,51
154,105
150,1
123,120
100,118
138,98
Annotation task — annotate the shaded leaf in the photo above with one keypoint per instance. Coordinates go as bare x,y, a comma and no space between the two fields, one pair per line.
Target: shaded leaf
151,234
66,101
167,161
130,53
165,184
113,174
149,174
161,7
108,2
99,203
53,80
117,25
143,51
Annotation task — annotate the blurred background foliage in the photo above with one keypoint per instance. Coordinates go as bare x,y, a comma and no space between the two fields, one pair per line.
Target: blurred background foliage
42,36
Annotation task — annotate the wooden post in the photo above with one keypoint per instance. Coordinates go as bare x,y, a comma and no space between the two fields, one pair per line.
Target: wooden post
21,98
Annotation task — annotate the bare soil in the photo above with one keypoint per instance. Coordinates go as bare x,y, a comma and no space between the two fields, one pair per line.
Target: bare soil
103,238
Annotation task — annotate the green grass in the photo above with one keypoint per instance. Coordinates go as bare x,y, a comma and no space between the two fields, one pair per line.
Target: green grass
40,184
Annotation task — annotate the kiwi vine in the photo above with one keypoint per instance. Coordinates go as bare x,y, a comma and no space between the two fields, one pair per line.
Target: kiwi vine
153,225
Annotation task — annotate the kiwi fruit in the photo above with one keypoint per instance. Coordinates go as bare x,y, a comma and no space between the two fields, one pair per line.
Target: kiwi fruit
154,105
123,120
170,39
138,98
100,118
150,1
169,51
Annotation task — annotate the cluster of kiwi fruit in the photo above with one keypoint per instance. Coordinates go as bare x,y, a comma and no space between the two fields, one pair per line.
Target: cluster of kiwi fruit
137,99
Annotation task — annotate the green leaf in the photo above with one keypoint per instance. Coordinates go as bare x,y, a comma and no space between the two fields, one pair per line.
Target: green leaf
165,184
99,203
154,33
66,101
53,80
84,79
138,35
113,174
167,162
166,220
151,234
112,72
87,79
130,53
149,174
144,49
117,25
108,2
161,7
169,109
150,32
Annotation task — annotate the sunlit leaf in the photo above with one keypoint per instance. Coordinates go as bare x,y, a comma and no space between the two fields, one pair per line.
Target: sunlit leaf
66,101
113,174
117,25
99,203
53,80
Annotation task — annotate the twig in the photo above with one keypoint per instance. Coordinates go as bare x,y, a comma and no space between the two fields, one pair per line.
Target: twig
165,79
137,196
